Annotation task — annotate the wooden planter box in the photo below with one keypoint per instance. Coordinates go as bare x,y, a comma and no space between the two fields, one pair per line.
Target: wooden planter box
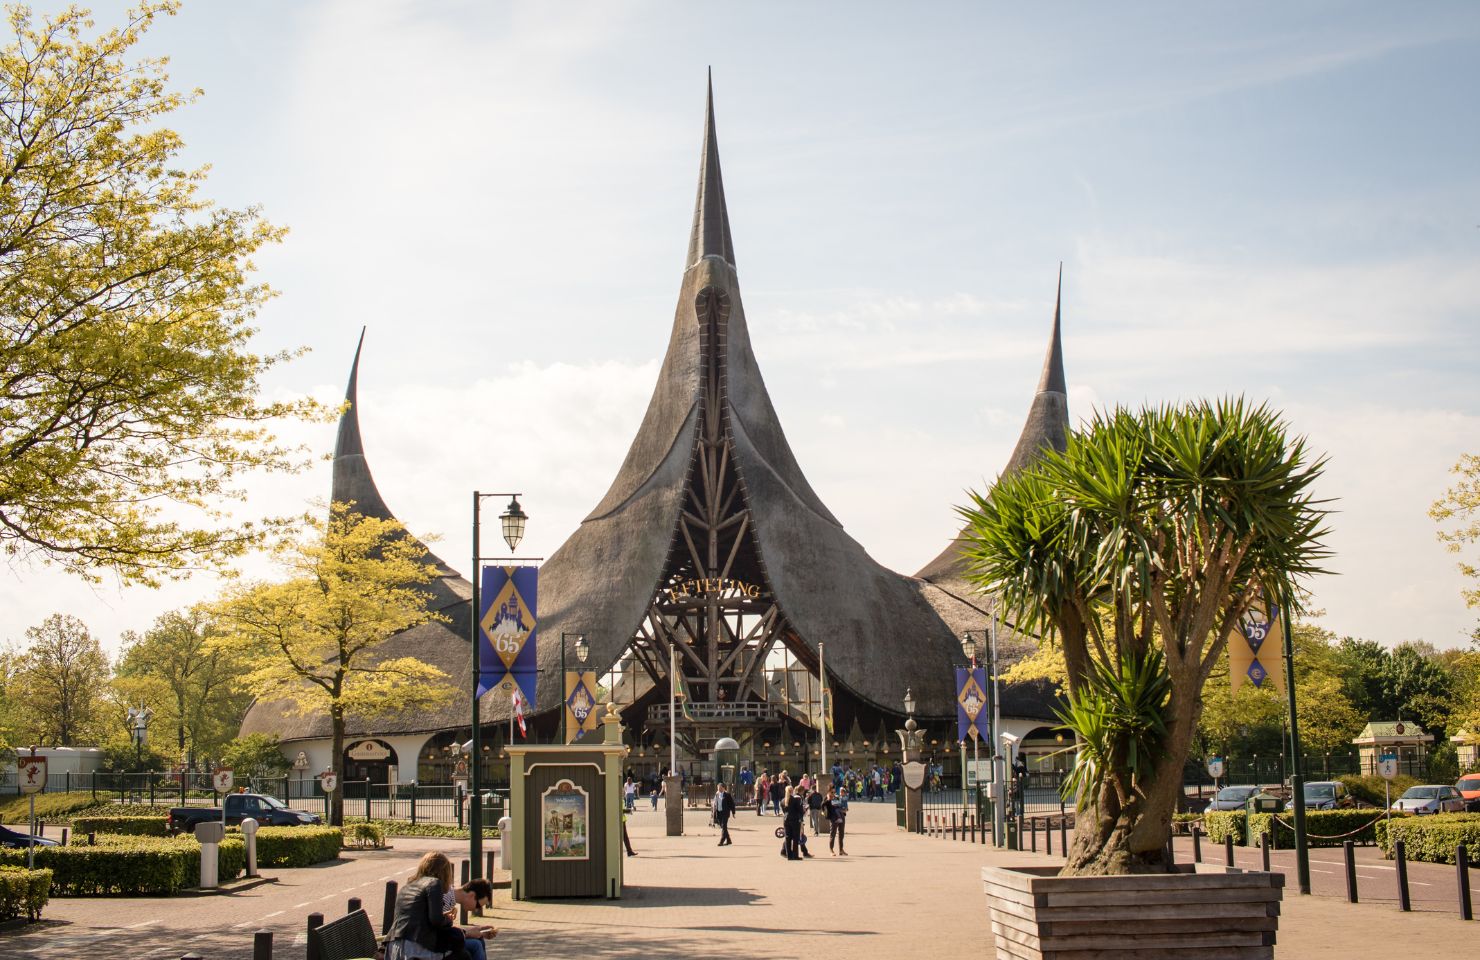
1201,911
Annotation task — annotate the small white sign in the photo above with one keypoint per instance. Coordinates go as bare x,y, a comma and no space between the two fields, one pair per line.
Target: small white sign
369,750
31,773
222,780
328,780
914,774
1387,765
1215,767
978,771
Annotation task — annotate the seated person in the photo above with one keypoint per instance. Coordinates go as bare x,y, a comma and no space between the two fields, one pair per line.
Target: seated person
422,925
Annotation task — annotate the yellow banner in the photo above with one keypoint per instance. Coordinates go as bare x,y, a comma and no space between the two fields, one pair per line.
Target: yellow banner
580,703
1256,648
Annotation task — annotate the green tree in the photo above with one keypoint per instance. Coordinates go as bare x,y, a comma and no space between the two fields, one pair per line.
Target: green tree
1139,549
254,756
316,639
128,403
60,686
1458,512
192,685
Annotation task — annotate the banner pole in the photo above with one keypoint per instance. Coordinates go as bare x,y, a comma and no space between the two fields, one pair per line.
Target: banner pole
1297,773
475,783
822,683
672,711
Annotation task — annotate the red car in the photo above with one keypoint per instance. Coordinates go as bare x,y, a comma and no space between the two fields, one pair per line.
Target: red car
1469,788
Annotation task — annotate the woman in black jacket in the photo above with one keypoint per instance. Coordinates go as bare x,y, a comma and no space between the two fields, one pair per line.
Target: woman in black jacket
420,926
794,811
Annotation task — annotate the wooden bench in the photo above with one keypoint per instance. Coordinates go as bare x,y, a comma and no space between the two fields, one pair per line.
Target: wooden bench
351,937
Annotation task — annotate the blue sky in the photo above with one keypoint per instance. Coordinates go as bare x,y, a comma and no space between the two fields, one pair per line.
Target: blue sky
1279,200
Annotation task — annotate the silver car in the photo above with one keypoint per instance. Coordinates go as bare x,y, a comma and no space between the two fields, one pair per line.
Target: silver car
1430,798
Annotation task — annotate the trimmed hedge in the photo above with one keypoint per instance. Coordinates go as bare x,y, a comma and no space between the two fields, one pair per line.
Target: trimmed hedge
1220,823
1432,838
1323,828
1369,789
23,892
297,846
405,828
130,865
129,826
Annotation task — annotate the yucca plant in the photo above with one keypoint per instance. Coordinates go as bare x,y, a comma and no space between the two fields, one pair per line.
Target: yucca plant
1138,549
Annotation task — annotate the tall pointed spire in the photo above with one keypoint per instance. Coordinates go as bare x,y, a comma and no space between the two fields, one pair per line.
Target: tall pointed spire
1053,364
353,482
711,233
348,442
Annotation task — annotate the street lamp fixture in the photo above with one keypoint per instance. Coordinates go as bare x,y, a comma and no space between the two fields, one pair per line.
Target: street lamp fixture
909,702
513,519
971,647
583,648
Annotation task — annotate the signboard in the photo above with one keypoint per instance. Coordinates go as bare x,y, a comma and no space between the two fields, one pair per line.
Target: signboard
1215,767
222,780
31,773
368,750
1387,765
565,823
971,700
300,762
328,780
580,703
507,628
978,771
914,774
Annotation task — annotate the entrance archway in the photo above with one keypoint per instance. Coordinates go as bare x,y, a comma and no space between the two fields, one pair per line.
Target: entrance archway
369,760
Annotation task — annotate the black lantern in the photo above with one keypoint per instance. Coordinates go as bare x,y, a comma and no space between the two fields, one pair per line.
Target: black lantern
513,520
583,649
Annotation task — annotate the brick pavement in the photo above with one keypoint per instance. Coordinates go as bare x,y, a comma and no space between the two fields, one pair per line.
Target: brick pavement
895,895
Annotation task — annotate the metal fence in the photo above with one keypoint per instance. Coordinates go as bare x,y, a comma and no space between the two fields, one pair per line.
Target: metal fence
1323,765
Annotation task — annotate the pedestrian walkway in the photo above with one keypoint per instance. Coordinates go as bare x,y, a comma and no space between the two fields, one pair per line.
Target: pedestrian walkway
895,895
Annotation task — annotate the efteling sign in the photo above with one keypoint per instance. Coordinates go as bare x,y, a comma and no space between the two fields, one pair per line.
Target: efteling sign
687,589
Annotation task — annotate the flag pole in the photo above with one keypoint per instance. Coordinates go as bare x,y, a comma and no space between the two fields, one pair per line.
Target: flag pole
822,685
672,711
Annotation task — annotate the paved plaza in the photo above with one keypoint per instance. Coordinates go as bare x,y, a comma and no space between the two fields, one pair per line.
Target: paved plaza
894,895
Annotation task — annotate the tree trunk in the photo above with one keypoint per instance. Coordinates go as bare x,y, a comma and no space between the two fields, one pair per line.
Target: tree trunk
336,763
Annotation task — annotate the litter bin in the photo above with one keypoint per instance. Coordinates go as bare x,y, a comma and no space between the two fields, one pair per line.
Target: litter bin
493,807
1260,802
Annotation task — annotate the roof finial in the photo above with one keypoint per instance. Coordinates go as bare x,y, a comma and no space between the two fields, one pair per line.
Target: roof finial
711,233
348,443
1053,364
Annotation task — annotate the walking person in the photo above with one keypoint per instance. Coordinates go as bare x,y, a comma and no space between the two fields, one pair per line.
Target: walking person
762,793
658,789
792,825
835,808
779,787
724,806
814,810
629,795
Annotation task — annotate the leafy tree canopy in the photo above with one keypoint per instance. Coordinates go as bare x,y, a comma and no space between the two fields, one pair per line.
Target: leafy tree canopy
129,388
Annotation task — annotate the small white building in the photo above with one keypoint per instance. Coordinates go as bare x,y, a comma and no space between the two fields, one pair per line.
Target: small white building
65,766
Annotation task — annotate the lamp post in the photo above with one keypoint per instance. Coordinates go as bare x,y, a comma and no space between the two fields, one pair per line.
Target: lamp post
138,728
972,647
583,650
909,743
512,520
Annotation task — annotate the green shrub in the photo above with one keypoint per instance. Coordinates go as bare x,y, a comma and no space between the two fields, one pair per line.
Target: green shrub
405,828
153,825
364,835
1432,838
23,892
1323,828
1219,824
297,846
1369,789
149,866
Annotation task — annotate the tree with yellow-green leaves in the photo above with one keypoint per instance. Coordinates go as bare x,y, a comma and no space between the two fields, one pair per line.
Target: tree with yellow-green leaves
1459,510
129,385
316,639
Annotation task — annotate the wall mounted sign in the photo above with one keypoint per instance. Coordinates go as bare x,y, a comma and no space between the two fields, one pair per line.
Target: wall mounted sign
368,750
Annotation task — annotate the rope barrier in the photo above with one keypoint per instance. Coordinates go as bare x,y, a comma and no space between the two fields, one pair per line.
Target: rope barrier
1322,836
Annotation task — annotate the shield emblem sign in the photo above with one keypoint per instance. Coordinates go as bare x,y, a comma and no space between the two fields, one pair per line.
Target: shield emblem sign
222,780
1215,767
31,774
914,774
328,780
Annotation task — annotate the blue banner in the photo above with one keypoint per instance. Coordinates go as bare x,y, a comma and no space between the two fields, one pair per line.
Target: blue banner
507,627
971,702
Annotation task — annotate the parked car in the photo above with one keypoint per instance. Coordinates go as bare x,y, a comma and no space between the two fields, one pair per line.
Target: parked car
1232,798
1430,798
267,811
1469,788
1327,795
14,838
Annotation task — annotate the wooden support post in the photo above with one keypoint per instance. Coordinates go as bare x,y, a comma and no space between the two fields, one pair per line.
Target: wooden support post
1348,851
1048,838
315,920
390,907
262,945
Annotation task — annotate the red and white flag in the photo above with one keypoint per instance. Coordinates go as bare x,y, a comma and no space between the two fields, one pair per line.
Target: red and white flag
519,712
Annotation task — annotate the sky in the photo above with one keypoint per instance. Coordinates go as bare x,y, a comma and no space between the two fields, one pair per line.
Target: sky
1268,199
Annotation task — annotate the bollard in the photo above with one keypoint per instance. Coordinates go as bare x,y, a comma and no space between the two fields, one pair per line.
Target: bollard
1462,865
1064,836
315,920
390,907
1264,844
953,825
1196,844
40,828
489,872
1228,849
1048,838
1348,851
262,945
1400,853
462,912
92,839
249,834
354,904
66,835
1033,835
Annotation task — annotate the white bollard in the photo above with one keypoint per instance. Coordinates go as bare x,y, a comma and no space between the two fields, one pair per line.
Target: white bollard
249,831
505,831
209,834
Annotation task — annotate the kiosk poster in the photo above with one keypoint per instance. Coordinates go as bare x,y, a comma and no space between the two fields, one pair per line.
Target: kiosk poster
565,820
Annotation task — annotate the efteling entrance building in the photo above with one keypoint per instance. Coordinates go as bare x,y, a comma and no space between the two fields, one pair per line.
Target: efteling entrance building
712,551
